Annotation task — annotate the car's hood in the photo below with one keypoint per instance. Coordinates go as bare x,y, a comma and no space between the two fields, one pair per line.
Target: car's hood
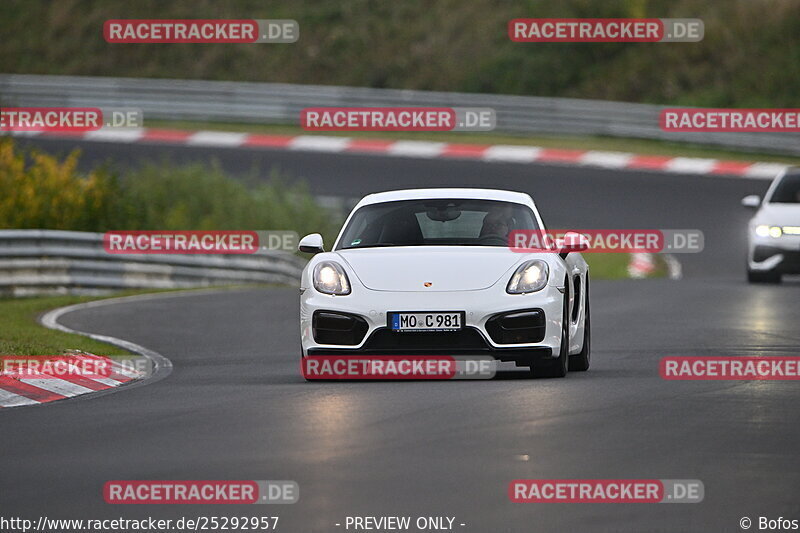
778,215
446,268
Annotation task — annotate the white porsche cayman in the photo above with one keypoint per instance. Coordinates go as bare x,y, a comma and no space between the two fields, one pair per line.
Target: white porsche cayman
430,272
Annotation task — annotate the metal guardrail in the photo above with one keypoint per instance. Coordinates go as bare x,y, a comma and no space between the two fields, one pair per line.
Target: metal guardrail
277,103
52,261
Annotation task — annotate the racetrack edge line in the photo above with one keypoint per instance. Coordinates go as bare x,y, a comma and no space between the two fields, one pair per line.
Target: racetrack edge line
162,365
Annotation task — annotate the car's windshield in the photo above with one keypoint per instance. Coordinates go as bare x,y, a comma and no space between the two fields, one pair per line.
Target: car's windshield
787,191
436,222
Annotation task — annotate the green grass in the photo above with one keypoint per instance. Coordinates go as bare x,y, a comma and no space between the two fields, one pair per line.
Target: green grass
21,333
614,144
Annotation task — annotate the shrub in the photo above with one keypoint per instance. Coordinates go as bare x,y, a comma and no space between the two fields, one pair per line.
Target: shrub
40,191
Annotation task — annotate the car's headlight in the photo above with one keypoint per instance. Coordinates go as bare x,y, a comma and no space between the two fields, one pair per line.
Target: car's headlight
531,276
769,231
330,278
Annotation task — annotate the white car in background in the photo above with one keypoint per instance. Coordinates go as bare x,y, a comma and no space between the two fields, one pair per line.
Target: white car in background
430,272
774,232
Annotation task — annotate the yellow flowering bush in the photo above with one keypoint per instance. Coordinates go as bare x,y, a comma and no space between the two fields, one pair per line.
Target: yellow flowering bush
38,190
41,191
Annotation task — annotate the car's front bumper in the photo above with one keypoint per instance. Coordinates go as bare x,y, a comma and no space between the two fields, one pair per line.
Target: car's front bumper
780,255
474,339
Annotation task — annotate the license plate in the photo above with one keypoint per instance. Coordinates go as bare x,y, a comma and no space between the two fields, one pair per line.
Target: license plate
425,321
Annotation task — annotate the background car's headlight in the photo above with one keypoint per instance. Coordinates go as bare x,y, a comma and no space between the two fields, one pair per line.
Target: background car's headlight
769,231
330,278
529,277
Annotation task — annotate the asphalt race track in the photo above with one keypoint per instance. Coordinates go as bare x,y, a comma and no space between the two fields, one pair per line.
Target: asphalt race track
236,407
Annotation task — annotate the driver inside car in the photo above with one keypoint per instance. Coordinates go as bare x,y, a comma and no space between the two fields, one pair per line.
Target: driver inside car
496,223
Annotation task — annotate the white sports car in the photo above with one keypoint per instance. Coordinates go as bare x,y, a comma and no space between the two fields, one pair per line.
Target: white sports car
774,232
430,272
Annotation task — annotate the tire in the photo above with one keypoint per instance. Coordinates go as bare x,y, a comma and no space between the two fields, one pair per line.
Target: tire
763,277
557,368
580,362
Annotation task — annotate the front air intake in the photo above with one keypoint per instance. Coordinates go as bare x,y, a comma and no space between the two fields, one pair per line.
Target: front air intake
334,327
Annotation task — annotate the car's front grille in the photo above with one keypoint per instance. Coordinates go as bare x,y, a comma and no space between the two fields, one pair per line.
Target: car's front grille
386,340
467,341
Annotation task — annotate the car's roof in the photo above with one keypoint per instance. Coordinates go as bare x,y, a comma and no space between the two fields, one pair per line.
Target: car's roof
415,194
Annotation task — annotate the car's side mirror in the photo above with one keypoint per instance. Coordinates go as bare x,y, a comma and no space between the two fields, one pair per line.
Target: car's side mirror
311,244
752,201
572,242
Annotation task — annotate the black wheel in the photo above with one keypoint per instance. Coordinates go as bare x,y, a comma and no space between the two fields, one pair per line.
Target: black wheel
580,362
763,277
557,368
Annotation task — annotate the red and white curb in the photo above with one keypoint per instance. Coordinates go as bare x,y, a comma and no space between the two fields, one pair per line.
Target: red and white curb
43,387
37,391
425,149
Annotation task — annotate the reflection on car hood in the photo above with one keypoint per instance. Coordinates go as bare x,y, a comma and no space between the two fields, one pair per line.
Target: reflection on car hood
778,215
446,268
